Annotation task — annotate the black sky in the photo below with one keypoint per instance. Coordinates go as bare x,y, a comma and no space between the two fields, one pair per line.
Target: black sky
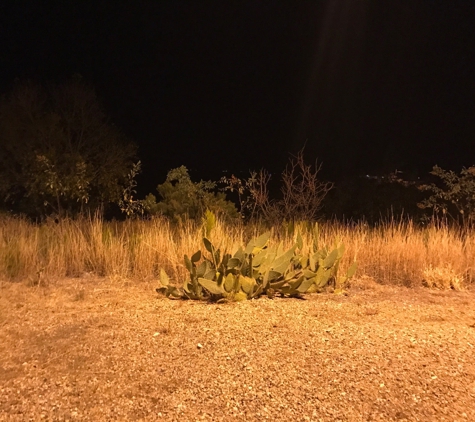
368,85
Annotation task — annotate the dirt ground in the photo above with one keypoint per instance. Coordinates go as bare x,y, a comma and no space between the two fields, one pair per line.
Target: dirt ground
101,350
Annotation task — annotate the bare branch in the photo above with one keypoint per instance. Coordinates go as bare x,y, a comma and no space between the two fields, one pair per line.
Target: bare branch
303,192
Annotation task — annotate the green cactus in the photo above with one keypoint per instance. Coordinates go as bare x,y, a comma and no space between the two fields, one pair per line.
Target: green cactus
167,289
257,270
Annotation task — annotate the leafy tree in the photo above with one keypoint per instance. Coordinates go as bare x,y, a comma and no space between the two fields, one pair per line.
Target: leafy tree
58,152
182,198
374,198
455,193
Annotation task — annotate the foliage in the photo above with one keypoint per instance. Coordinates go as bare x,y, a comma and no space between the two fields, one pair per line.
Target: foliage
182,198
457,191
258,269
58,153
128,205
251,193
375,198
302,193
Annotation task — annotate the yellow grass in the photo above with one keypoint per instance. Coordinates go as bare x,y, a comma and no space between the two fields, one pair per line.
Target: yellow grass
393,253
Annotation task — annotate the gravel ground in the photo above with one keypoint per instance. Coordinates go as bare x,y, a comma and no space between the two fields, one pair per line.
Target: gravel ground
97,350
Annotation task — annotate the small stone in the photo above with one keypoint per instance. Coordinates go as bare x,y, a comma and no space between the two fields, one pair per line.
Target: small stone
200,346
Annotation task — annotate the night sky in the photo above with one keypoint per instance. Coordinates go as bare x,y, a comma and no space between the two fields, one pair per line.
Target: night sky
369,86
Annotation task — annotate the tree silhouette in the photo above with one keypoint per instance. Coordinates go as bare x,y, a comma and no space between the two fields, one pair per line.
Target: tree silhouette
58,152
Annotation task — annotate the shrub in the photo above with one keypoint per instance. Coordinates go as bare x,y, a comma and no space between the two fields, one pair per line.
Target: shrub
457,193
182,198
302,193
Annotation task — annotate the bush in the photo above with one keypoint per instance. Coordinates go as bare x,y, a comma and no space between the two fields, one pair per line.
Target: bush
184,199
457,193
302,191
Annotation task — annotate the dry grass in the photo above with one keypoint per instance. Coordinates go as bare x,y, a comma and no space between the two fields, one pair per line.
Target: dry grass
394,253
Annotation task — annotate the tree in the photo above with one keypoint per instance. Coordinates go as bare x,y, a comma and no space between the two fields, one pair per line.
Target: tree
457,192
58,152
182,198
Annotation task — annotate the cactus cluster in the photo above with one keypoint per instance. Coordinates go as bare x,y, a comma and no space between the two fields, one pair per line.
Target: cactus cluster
259,269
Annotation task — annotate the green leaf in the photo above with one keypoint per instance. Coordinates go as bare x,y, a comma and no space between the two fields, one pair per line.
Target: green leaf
258,291
306,284
274,275
322,277
196,257
225,260
262,240
217,256
188,264
229,283
312,289
208,245
313,260
308,273
210,275
330,259
256,245
281,264
175,292
233,263
240,296
247,284
277,285
202,269
295,284
352,270
164,280
341,251
210,286
239,254
259,259
286,290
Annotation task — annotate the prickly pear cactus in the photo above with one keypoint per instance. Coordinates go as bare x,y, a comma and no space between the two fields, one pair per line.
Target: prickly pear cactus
258,269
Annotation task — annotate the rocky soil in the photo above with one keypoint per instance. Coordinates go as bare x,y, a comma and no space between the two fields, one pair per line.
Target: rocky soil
102,350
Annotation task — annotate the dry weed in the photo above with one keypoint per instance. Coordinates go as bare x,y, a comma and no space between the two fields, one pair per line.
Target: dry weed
442,278
395,253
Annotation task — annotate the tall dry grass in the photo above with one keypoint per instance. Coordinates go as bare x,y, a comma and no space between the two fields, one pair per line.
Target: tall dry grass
394,253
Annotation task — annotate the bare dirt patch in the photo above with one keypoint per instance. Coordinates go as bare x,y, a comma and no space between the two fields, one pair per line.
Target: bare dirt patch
100,350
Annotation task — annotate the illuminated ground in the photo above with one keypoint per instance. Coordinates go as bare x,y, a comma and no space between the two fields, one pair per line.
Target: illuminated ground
85,349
